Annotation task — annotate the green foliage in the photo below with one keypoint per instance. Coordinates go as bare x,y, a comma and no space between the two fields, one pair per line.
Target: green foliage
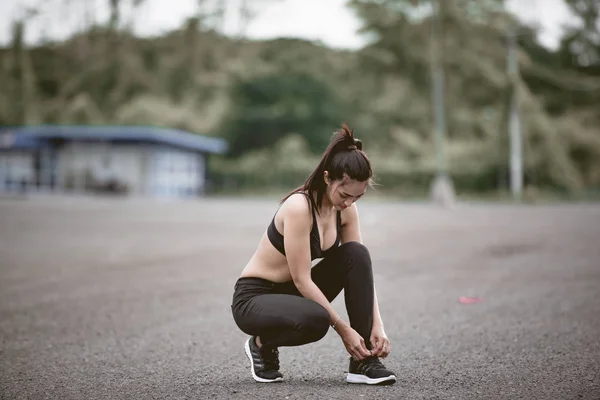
581,45
278,101
266,108
478,87
17,103
283,166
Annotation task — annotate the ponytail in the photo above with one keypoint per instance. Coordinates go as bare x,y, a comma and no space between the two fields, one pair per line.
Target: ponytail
344,156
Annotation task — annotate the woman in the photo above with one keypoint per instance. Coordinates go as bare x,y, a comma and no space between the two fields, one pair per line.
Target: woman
281,301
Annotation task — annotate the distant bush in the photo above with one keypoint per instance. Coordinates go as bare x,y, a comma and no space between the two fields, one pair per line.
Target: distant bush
266,108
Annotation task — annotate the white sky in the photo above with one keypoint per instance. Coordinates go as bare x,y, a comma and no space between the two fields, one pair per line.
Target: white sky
329,21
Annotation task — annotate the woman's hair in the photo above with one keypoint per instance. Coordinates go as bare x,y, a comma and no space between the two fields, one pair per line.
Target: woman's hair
343,156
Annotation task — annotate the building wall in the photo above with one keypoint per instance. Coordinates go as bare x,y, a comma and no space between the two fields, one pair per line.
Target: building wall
175,173
93,166
16,170
96,167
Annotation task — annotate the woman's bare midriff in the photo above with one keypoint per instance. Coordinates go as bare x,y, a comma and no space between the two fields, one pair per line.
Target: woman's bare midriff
267,263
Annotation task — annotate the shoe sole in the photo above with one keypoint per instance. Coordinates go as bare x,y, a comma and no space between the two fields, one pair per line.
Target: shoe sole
256,377
359,378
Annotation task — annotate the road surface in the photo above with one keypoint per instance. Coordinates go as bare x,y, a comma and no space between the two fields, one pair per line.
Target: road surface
112,299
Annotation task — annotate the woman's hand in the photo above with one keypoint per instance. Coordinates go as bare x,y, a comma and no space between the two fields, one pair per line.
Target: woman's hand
380,342
354,343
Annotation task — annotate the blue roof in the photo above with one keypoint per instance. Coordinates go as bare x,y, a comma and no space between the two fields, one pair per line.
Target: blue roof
8,140
36,136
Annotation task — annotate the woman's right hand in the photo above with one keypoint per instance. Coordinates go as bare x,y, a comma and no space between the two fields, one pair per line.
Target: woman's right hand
354,343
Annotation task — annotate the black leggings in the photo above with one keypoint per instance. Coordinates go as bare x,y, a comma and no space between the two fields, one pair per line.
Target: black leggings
280,316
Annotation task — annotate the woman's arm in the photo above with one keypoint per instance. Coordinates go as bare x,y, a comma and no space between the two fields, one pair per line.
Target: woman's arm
297,221
350,225
296,231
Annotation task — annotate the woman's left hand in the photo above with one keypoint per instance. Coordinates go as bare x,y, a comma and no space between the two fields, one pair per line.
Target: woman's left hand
379,342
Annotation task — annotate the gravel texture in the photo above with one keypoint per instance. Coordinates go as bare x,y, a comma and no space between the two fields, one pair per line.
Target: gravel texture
130,299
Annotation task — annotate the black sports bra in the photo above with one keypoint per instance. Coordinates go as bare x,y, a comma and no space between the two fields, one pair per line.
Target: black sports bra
276,238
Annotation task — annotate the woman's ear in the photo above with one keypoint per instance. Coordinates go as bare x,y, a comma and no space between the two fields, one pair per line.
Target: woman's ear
326,177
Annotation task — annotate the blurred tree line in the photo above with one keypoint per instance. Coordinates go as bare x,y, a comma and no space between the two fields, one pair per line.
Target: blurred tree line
278,101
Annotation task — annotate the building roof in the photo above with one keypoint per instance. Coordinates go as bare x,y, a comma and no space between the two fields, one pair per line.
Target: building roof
39,135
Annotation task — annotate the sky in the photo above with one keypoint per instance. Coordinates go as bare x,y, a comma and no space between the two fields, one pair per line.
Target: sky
328,21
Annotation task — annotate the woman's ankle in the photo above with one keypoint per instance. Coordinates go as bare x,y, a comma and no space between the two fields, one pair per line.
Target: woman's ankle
258,342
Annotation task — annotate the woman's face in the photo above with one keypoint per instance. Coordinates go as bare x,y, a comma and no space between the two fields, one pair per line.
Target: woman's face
341,194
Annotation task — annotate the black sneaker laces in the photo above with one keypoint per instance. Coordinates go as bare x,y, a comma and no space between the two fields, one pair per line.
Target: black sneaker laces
270,357
371,363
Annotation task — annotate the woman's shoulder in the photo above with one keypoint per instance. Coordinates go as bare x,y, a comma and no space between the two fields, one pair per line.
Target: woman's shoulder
296,203
296,208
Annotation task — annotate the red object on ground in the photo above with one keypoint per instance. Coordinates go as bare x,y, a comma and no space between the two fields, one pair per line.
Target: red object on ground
469,300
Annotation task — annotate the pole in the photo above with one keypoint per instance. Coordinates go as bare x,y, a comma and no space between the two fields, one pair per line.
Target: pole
442,189
514,122
437,77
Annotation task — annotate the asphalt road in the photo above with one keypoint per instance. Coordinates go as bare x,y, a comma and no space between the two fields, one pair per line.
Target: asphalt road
108,299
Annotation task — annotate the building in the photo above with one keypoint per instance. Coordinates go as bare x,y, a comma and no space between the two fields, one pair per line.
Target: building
129,160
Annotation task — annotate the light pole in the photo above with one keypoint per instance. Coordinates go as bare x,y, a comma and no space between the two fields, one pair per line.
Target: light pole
514,120
442,188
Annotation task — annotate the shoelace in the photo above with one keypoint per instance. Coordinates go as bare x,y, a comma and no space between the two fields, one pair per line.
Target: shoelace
370,363
270,357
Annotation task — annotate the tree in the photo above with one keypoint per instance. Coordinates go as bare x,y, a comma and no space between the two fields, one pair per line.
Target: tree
478,87
581,45
19,101
267,108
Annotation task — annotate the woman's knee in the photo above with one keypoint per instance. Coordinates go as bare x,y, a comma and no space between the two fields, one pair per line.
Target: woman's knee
356,250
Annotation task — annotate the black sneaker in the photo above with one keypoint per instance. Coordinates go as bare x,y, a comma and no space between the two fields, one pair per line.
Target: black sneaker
264,362
370,371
